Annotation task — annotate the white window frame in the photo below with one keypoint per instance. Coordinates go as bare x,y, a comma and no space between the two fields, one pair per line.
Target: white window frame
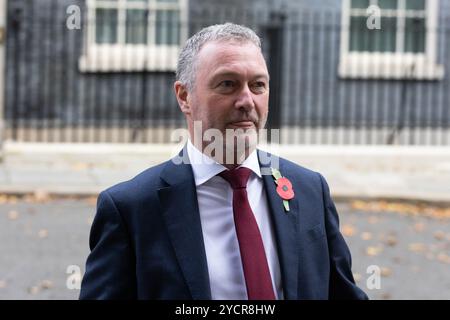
123,57
391,65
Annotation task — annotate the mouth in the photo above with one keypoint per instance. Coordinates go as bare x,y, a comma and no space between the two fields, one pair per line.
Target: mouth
242,124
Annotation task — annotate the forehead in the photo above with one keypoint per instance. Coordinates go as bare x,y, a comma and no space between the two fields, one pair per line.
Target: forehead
231,57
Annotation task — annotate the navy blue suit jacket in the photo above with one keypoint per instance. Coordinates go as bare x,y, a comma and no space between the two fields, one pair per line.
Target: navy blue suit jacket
146,240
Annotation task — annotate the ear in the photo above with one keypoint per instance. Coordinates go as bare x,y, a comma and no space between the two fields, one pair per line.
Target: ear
182,95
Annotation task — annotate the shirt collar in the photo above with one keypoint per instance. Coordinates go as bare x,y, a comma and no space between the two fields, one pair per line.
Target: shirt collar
204,167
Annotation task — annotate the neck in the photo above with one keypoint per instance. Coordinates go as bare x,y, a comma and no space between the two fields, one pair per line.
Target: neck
228,157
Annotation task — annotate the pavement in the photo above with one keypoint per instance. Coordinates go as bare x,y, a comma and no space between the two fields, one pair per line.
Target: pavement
391,172
44,246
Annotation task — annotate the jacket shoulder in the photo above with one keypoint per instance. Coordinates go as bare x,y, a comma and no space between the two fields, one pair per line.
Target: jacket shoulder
289,168
143,183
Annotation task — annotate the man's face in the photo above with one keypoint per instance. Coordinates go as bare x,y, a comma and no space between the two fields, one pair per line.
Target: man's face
231,89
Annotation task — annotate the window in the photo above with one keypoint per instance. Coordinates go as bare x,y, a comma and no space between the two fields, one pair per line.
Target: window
133,35
391,39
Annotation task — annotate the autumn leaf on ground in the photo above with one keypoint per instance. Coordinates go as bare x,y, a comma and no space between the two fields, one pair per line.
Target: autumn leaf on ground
443,257
439,235
366,236
391,240
13,215
419,227
403,208
386,272
348,230
373,251
33,290
417,247
46,284
6,199
43,233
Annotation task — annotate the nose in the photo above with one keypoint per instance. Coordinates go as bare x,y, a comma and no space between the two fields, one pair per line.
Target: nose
245,99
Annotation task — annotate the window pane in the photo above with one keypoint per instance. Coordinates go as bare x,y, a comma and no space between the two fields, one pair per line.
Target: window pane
106,25
415,4
388,4
360,4
415,35
136,26
167,27
358,34
385,38
373,40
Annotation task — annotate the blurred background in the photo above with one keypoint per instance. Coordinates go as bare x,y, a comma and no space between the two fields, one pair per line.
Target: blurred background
360,91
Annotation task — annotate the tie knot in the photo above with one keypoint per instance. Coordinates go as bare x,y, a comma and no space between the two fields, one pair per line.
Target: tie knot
237,178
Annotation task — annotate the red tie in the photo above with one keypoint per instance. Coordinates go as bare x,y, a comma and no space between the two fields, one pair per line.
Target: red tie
254,261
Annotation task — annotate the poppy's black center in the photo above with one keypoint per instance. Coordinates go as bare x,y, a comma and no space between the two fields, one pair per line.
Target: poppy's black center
285,188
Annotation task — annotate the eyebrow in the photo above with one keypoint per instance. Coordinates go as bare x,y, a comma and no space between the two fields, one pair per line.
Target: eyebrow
226,73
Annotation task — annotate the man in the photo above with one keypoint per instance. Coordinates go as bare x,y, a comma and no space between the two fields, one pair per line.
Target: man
218,226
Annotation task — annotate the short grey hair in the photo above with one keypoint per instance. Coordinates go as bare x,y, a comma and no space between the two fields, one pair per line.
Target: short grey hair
186,68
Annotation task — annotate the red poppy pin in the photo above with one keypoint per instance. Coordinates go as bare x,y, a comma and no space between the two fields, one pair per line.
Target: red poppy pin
284,188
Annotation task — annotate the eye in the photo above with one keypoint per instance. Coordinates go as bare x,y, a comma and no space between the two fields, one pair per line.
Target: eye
226,84
259,86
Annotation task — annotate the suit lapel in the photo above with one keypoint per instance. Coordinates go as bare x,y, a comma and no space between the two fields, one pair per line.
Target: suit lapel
181,215
285,225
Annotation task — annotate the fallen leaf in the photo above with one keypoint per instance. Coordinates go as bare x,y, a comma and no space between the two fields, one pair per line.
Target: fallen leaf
385,296
417,247
443,257
402,208
13,215
33,290
366,236
348,230
3,199
391,240
46,284
419,227
43,233
373,251
386,272
439,235
359,205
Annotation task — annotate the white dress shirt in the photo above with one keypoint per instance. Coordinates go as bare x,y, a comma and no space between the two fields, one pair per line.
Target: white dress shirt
215,196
